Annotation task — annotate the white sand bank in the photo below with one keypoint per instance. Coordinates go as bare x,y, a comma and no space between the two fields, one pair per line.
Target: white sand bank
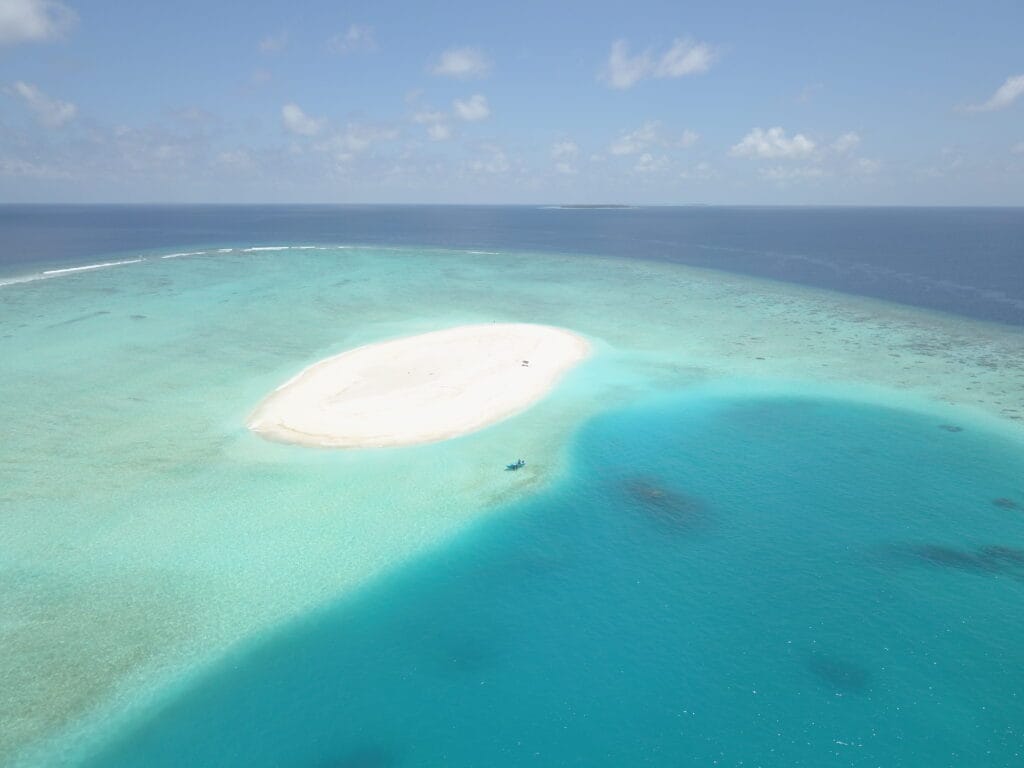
420,389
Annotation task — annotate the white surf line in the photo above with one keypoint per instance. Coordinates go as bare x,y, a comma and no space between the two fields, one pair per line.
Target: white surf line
22,279
184,253
51,273
257,248
66,270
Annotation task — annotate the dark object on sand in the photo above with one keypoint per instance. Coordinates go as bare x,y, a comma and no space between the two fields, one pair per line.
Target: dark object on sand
951,427
517,465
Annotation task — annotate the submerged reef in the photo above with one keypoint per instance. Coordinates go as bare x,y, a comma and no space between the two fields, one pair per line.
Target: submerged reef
666,508
838,674
992,559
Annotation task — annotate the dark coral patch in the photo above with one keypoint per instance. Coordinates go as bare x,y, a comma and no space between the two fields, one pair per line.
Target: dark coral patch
1005,503
667,508
991,559
951,427
949,557
836,674
1002,557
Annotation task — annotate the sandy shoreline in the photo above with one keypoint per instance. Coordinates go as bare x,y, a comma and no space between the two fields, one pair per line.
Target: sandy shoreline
419,389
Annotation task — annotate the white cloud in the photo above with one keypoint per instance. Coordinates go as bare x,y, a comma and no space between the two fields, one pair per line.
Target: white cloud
52,113
699,171
564,149
784,174
237,159
496,161
625,71
428,116
472,109
684,57
297,121
635,141
952,157
18,167
356,139
564,153
846,143
648,163
436,122
274,43
357,38
360,138
865,166
687,139
648,135
463,63
772,143
24,21
439,132
1004,96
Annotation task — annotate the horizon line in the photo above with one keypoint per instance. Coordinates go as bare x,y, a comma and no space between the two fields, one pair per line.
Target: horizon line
563,205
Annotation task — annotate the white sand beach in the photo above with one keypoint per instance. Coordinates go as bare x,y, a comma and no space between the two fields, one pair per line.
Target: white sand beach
420,389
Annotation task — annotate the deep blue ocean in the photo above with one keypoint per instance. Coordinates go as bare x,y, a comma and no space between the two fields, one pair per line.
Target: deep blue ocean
967,261
717,576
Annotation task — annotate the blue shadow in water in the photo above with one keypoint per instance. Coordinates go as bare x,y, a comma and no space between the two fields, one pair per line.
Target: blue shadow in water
721,581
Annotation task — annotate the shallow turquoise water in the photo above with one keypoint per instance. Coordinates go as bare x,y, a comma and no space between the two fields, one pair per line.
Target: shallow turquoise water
732,581
698,520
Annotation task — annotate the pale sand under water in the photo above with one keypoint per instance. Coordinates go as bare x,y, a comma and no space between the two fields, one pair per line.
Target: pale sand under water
419,389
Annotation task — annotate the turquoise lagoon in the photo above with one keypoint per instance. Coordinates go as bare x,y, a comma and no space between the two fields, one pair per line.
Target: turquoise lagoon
763,525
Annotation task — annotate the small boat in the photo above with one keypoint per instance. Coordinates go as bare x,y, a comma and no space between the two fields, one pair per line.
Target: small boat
513,467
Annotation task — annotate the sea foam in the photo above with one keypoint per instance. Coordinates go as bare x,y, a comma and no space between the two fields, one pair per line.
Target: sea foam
102,265
184,253
51,273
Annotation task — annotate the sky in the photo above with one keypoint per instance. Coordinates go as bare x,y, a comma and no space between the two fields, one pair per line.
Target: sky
808,103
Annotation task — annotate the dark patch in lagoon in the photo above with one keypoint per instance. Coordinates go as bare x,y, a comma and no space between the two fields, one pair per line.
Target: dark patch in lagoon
948,557
665,507
456,651
991,559
1005,557
466,658
1005,503
951,427
138,317
837,674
